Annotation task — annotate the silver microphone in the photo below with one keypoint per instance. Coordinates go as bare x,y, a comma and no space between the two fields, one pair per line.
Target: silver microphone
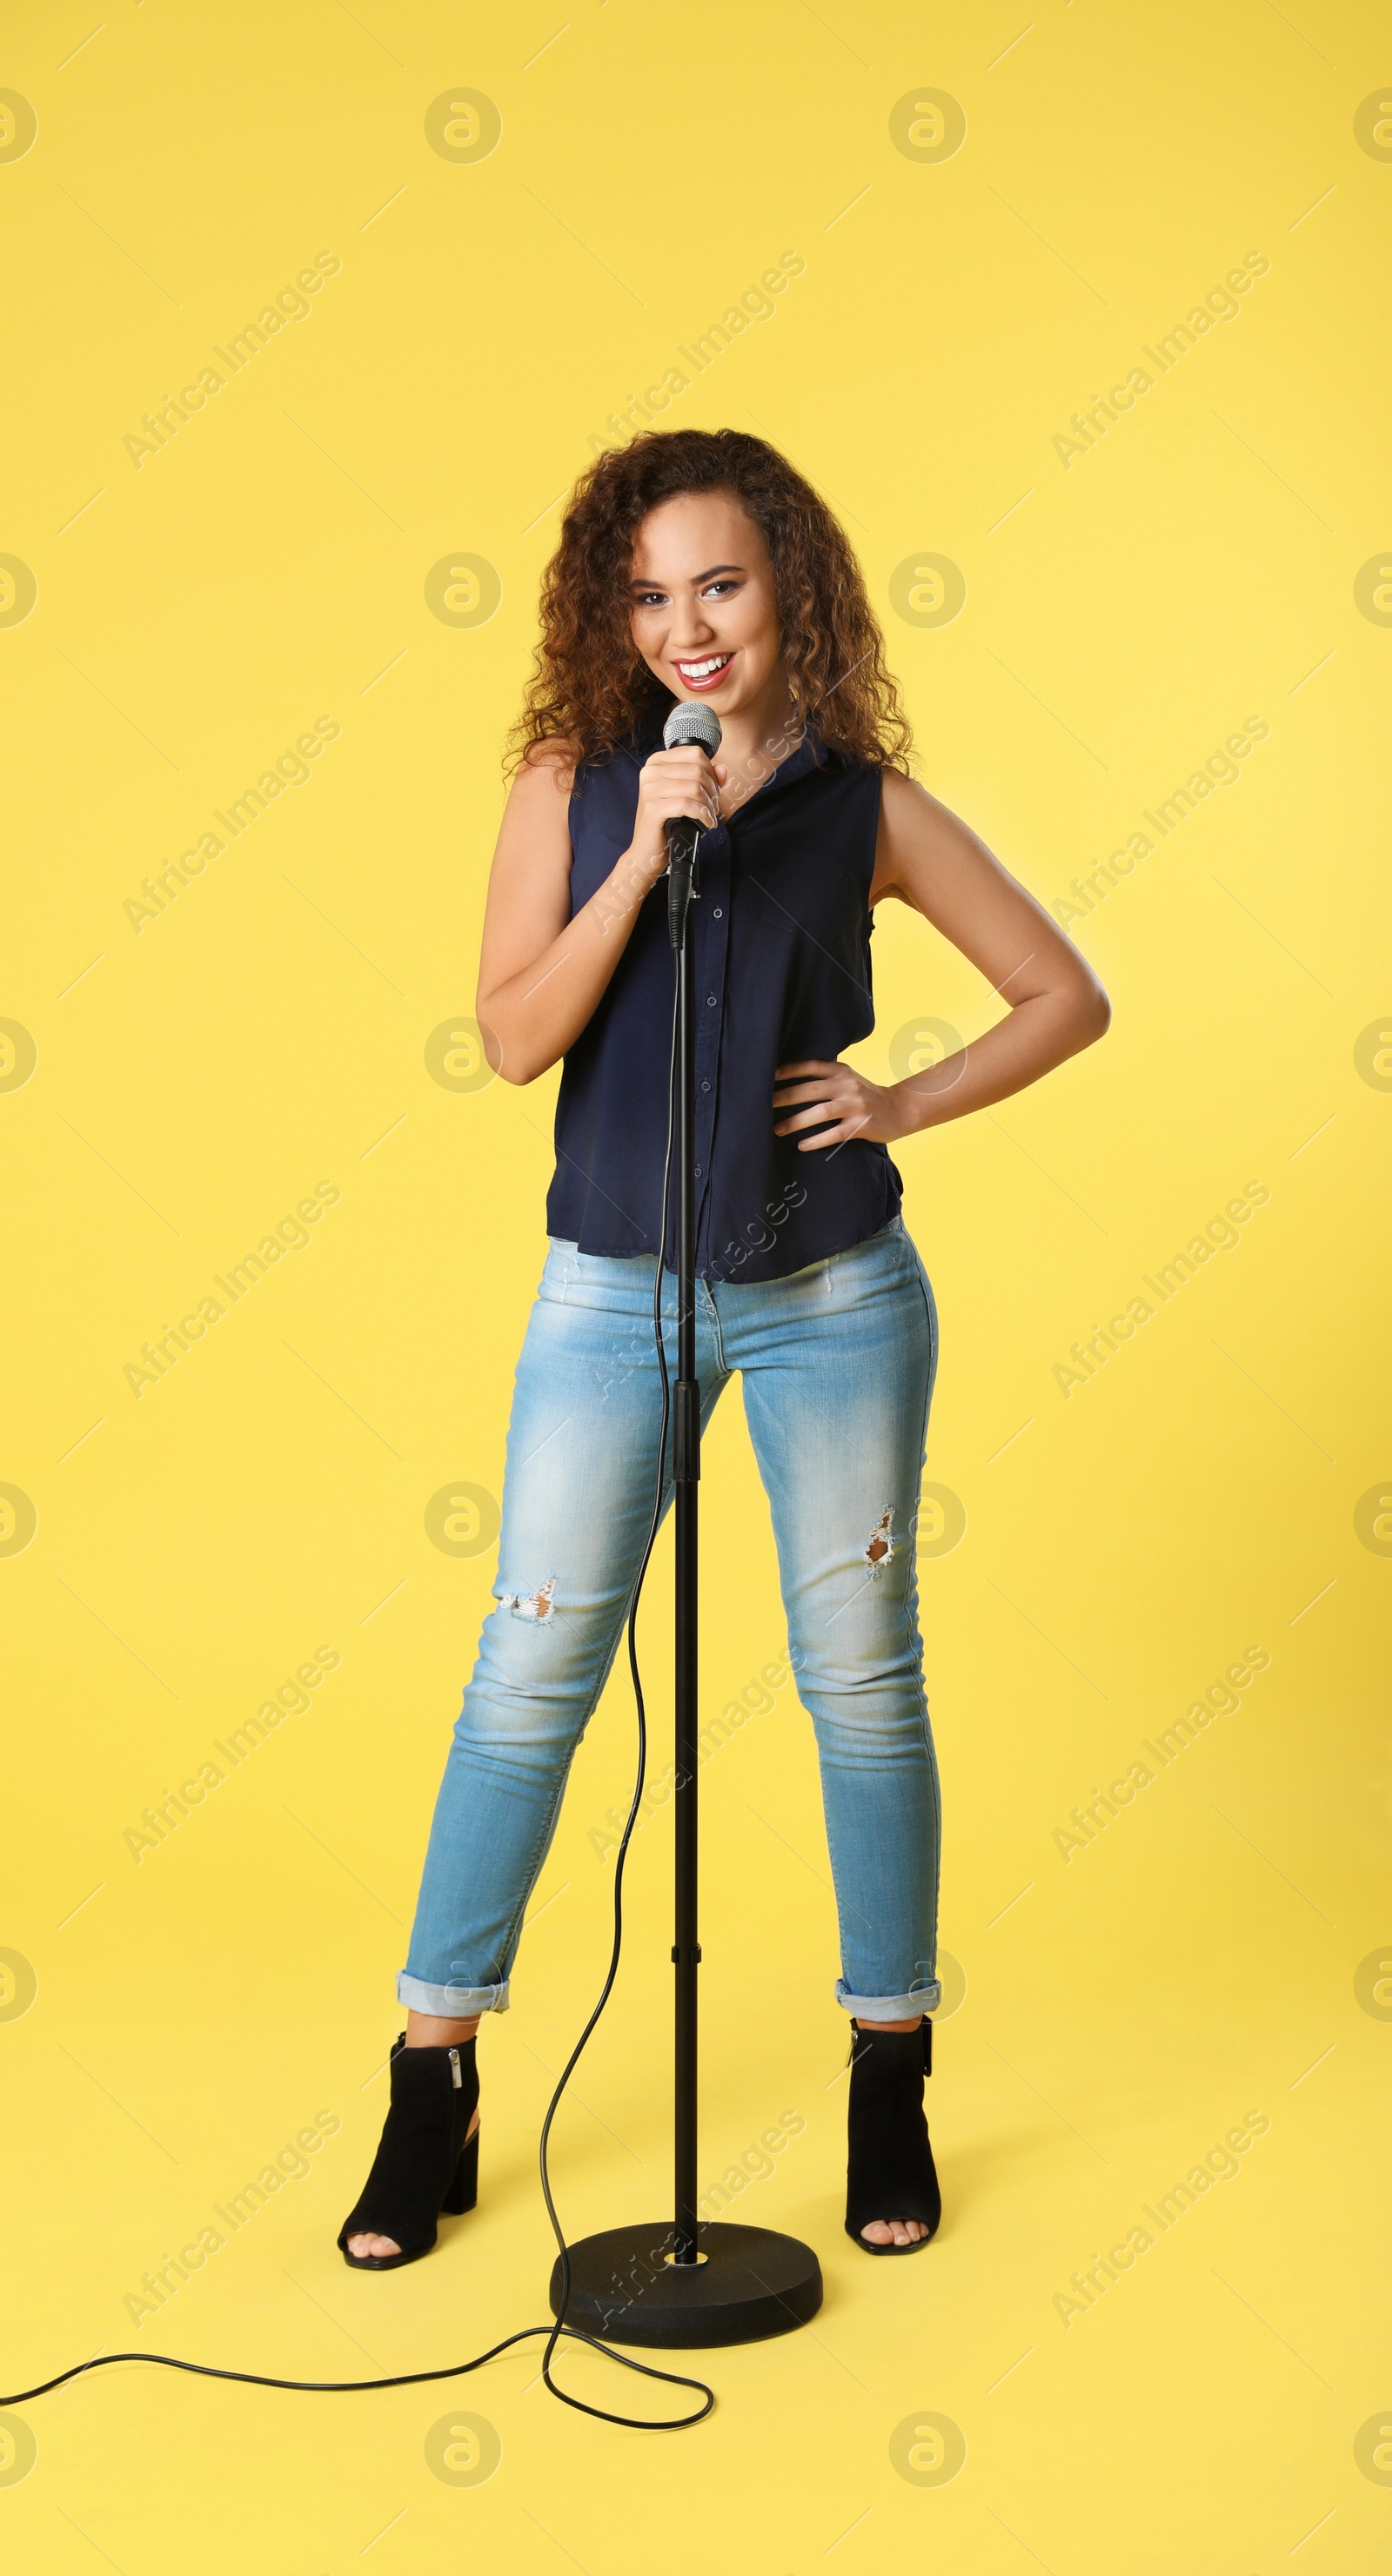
691,722
686,723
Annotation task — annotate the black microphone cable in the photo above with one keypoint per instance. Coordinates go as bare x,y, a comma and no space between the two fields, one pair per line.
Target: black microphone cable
556,2331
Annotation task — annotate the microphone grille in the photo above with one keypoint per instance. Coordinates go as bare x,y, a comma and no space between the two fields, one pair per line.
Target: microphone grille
688,723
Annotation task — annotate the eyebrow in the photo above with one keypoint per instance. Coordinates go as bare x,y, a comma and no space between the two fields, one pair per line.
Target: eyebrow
708,575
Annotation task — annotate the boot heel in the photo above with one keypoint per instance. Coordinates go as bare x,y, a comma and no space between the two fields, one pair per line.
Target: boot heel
463,2191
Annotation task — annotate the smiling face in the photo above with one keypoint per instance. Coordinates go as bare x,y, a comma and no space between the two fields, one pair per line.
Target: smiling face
704,605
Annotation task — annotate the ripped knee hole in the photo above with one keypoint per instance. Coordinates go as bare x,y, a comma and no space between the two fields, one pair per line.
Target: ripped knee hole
879,1547
537,1606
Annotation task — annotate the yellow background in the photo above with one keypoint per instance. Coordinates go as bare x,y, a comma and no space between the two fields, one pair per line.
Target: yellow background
195,613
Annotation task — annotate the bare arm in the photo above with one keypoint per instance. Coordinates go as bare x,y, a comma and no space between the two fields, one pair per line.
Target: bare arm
542,973
928,859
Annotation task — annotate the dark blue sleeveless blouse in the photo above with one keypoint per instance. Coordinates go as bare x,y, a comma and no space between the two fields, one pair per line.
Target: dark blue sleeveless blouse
782,931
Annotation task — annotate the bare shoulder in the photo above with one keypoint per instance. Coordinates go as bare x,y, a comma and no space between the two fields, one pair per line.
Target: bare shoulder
914,829
902,801
899,793
546,766
535,827
533,849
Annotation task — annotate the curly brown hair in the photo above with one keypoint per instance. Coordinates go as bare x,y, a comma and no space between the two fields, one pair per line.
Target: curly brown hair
590,685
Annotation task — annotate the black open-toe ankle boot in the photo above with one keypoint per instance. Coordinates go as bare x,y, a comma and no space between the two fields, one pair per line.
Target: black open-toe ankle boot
425,2162
889,2170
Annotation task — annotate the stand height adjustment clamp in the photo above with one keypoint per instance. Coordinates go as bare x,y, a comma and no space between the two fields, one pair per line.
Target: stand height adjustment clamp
686,1432
693,1955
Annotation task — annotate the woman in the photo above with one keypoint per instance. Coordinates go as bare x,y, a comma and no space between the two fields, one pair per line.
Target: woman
699,565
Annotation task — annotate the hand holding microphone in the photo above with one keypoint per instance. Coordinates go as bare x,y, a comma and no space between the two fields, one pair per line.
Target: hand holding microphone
680,783
689,730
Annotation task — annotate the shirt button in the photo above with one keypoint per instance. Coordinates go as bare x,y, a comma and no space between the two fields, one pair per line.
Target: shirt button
705,1086
719,915
710,1001
698,1171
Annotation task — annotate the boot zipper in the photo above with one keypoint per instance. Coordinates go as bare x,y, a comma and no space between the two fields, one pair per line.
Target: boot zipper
454,2070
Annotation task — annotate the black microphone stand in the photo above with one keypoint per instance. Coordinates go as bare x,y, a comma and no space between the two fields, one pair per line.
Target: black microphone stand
687,2281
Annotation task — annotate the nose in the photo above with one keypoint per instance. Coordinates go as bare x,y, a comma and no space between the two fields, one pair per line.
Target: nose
691,627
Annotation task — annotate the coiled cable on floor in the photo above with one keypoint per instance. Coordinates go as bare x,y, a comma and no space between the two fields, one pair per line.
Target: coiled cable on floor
556,2331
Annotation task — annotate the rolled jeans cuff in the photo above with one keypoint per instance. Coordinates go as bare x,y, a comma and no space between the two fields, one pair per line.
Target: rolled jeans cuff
921,1999
450,2003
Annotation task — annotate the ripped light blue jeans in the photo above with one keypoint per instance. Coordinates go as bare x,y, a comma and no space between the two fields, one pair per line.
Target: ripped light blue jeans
838,1363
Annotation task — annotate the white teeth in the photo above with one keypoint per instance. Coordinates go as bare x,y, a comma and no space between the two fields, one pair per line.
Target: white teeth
702,670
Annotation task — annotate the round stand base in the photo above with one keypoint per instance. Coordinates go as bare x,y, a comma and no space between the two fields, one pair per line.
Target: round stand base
750,2283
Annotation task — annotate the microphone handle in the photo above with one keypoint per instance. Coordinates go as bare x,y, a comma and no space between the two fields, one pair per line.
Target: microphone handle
682,838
